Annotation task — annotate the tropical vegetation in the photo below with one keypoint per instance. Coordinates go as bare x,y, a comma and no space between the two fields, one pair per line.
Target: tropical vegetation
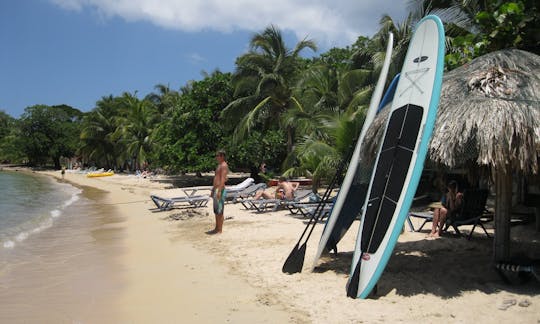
299,115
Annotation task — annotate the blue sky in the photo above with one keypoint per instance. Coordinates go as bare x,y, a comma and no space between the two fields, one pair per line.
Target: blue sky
74,52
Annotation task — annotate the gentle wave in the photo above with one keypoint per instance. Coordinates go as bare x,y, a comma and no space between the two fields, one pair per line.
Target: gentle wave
42,219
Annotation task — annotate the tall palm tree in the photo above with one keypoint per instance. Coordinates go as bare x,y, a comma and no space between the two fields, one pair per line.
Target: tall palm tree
263,83
402,35
98,127
334,106
135,128
163,99
458,15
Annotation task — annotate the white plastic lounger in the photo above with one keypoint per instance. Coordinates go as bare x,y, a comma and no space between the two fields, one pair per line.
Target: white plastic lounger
241,186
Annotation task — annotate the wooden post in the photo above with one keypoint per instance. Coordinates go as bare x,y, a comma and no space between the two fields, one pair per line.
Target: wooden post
503,204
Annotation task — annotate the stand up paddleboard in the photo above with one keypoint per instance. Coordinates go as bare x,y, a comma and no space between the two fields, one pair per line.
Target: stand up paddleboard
354,187
400,159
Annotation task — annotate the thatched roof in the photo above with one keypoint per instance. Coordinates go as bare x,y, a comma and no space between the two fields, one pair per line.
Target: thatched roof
489,113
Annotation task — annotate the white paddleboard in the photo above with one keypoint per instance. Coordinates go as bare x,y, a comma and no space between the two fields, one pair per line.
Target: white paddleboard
401,156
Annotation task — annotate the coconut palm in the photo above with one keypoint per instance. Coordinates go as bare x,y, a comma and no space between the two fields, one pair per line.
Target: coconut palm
263,83
328,120
402,35
459,16
135,127
98,127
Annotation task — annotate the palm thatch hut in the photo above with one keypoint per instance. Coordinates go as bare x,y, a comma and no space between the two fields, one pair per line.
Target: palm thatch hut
489,116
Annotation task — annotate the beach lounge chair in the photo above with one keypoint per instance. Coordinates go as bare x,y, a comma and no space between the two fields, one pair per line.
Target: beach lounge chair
471,211
308,209
166,203
262,205
241,186
426,216
238,196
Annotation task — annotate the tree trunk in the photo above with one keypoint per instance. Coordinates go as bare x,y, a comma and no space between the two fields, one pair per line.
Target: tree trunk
290,136
503,204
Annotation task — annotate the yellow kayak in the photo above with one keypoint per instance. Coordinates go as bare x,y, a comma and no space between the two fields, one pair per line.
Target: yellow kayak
100,174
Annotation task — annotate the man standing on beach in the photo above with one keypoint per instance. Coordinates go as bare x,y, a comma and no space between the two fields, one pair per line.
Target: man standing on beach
219,192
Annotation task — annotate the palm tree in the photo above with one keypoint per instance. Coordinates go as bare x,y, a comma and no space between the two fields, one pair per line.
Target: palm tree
334,106
402,35
97,138
263,83
135,128
458,15
163,99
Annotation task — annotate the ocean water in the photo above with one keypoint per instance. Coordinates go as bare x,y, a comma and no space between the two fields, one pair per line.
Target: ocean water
30,204
58,250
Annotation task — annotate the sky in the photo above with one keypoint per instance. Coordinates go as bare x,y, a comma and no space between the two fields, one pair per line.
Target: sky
75,52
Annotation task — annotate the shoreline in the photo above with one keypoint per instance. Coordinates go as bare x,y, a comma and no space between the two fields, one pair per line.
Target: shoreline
448,279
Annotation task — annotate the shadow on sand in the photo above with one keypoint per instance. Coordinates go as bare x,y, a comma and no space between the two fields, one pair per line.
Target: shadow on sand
445,267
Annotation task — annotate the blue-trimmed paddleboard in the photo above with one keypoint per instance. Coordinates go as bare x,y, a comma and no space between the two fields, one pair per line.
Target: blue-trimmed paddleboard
354,187
400,159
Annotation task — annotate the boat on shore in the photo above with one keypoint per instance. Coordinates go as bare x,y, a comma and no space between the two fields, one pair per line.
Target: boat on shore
100,174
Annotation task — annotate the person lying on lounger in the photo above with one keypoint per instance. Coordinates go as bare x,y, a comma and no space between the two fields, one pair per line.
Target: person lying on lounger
285,191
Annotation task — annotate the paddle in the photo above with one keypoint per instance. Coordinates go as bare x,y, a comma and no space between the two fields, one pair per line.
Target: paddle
295,260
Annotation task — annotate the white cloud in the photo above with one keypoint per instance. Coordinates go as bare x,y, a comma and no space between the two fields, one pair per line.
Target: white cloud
329,23
195,58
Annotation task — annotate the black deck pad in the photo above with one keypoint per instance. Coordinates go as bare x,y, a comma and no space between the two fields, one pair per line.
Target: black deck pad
391,171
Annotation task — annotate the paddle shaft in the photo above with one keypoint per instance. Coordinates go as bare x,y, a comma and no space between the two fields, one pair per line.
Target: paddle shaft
295,260
318,209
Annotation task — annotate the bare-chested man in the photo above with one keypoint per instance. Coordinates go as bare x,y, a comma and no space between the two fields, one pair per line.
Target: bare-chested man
219,192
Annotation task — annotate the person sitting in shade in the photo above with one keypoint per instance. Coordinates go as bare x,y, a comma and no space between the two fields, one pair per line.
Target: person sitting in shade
285,190
449,204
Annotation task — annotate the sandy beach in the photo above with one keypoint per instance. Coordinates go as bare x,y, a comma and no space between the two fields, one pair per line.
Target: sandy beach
165,269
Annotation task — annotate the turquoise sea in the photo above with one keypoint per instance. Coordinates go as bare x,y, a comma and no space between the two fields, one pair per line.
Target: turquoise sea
30,204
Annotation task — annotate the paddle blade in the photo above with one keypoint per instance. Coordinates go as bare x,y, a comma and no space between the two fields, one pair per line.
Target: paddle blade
295,261
352,284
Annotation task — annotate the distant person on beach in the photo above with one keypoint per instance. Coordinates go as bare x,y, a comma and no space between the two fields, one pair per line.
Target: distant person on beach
449,204
285,190
218,191
63,172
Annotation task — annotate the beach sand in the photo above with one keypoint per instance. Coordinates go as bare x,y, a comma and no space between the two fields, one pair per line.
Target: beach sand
163,268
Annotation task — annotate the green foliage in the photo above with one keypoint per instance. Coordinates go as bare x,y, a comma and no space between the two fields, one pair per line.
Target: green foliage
191,132
256,148
49,133
500,25
10,149
263,82
99,145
